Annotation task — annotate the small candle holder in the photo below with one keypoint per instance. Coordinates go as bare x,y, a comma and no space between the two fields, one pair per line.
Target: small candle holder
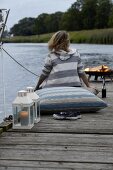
23,112
24,118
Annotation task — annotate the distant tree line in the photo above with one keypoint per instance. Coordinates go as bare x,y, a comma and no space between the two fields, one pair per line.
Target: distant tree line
83,14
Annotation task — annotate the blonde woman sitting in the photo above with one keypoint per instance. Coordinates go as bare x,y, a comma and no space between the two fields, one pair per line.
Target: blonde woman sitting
63,67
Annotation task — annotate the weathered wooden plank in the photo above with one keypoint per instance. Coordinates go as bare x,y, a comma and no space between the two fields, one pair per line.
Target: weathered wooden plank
73,148
29,165
59,155
79,126
24,168
75,129
16,139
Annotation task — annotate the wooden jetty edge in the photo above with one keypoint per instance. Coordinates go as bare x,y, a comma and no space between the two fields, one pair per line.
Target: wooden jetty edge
85,144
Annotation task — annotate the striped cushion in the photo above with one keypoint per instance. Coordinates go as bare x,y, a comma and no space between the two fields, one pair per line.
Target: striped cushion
69,98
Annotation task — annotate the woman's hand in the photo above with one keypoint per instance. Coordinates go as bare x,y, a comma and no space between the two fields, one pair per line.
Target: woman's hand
94,89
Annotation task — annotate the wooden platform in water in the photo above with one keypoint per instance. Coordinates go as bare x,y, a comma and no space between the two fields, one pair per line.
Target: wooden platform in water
85,144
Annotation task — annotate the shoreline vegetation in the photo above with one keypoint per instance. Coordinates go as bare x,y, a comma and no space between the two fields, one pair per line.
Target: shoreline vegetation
97,36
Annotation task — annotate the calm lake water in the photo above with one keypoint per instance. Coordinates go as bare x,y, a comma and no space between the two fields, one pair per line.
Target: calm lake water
32,56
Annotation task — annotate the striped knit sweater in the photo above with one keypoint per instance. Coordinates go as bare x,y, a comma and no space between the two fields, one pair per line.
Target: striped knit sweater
62,69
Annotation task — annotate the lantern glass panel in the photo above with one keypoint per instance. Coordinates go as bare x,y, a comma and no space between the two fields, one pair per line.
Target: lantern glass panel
16,111
21,116
38,110
32,114
35,109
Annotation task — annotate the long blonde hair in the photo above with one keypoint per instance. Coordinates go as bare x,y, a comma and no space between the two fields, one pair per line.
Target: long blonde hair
59,41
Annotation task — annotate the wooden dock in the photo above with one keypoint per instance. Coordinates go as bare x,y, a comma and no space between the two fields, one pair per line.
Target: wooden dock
85,144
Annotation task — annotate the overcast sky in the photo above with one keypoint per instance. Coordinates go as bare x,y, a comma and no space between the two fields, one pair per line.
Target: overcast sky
32,8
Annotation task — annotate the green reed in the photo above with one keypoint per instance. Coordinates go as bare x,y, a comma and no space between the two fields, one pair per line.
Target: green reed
97,36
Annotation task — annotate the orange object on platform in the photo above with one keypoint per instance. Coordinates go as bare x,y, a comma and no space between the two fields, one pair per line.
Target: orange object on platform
101,68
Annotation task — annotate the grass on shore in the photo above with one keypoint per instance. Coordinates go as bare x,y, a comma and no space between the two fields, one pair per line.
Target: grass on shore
97,36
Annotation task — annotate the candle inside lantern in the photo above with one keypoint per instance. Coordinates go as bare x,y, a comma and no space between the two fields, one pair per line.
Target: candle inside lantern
24,118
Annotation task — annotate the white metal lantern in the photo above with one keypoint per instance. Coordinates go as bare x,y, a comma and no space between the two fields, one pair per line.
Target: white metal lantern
36,101
23,112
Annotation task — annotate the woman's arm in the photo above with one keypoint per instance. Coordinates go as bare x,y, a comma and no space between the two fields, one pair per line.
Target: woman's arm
85,79
45,72
83,76
90,87
40,81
